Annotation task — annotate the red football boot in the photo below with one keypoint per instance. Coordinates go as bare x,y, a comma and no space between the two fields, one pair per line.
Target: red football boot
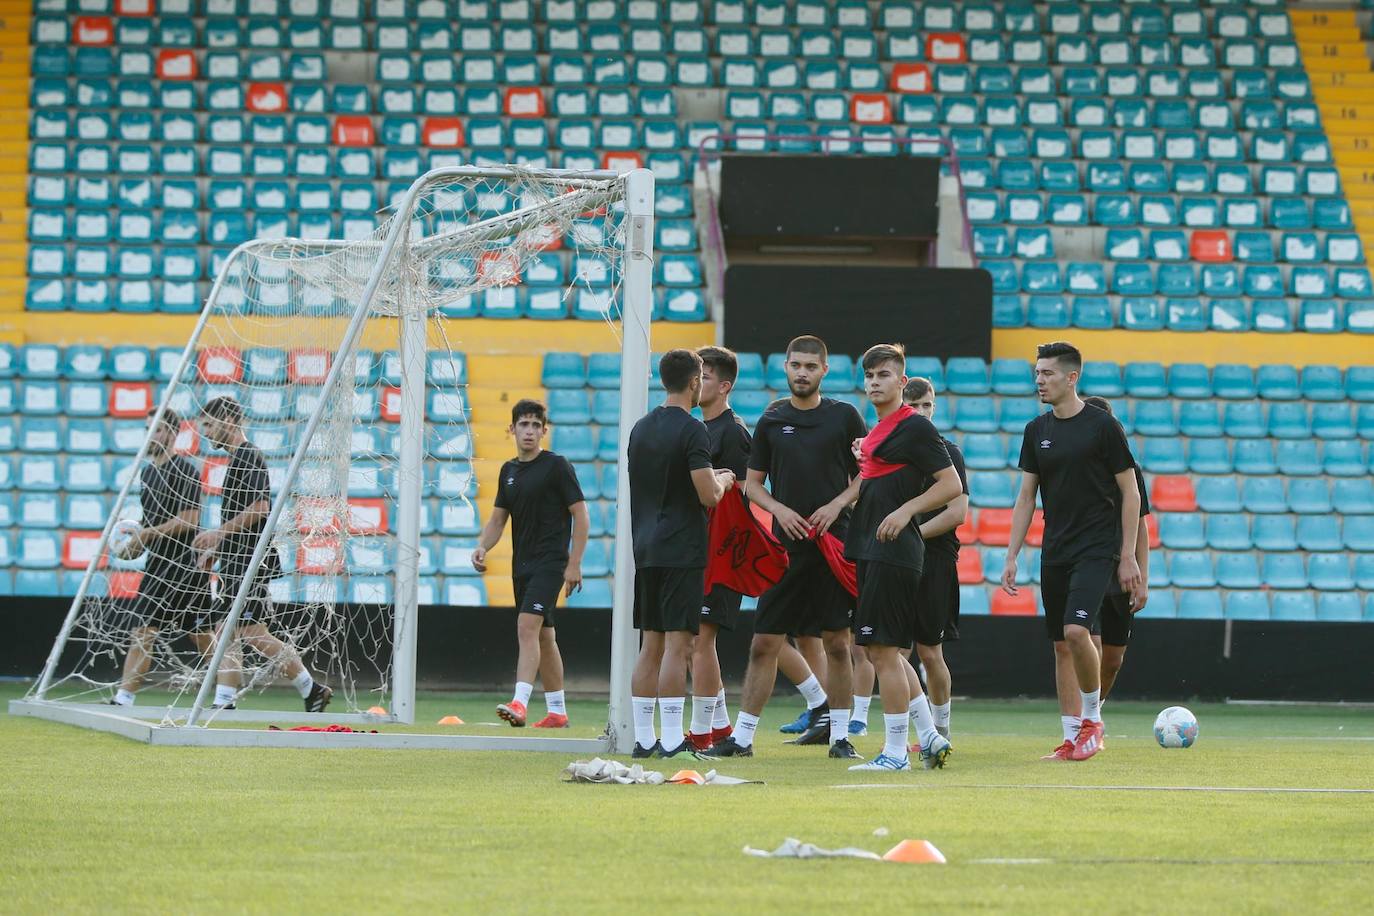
1060,753
513,712
700,742
552,720
720,734
1089,740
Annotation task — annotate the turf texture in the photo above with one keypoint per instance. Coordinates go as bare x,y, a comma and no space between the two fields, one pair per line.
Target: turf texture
95,823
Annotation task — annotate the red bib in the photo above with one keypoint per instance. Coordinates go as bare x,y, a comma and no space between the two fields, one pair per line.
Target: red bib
869,466
743,556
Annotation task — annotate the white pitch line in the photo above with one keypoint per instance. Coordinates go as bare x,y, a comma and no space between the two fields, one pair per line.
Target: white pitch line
1261,789
1144,861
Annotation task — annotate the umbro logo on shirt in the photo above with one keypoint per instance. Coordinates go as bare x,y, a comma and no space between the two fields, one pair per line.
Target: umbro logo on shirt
788,430
1080,613
865,631
539,607
510,481
1045,443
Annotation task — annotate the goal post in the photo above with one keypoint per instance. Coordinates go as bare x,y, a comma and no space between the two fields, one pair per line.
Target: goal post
586,239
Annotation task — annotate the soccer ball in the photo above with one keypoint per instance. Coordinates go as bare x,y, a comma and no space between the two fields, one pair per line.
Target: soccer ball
1176,727
120,538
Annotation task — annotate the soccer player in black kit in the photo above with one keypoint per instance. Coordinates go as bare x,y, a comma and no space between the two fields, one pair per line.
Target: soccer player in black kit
905,472
729,442
803,445
539,493
245,504
672,484
1120,607
174,592
1077,457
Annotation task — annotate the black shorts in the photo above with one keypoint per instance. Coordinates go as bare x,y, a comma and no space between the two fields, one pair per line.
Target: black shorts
173,599
668,600
937,600
807,601
257,607
1116,620
1072,593
721,607
886,615
538,594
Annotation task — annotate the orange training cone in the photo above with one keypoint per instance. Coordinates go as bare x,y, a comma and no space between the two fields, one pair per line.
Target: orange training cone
376,711
688,778
450,720
914,851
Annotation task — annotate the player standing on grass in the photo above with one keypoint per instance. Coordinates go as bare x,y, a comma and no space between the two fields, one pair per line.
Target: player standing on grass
802,444
937,601
1119,607
174,591
905,472
729,443
672,484
245,503
538,491
1077,457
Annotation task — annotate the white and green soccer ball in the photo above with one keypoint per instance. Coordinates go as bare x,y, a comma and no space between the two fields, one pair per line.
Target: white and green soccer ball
1176,727
120,538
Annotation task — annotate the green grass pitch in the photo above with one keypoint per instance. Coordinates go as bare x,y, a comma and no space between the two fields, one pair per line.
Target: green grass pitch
94,823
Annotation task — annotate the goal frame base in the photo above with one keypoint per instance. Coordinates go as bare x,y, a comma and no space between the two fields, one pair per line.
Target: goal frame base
139,725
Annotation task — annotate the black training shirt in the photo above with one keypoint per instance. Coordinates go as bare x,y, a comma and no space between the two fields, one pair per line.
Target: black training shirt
1114,586
808,456
537,494
915,444
730,443
667,518
947,543
1077,460
245,484
169,489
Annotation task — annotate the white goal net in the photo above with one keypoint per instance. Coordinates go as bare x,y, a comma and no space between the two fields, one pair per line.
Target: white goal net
345,359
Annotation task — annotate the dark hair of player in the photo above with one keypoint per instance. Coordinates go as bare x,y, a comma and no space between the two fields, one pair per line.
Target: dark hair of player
917,387
529,407
170,419
1066,353
677,368
808,343
878,354
723,363
1100,403
224,408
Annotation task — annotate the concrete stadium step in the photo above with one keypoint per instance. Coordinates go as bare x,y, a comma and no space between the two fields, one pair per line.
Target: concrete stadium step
1323,81
1322,18
1325,50
1337,64
492,406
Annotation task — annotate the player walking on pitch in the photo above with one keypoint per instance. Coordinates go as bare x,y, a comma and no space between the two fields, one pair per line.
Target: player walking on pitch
729,443
174,591
539,493
672,484
900,457
802,444
244,506
1077,457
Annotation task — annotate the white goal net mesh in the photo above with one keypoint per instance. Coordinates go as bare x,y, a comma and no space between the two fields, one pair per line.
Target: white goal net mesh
525,243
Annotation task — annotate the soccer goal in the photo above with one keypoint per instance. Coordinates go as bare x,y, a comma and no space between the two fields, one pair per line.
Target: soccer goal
344,357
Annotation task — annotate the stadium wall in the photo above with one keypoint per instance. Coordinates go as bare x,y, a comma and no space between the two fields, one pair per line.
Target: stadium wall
1169,660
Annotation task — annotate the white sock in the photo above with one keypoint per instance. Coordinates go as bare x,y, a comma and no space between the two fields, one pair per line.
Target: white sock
813,691
643,708
123,698
839,725
941,714
895,732
861,705
670,721
703,709
720,717
304,683
1092,705
224,694
744,728
919,713
522,692
555,703
1070,727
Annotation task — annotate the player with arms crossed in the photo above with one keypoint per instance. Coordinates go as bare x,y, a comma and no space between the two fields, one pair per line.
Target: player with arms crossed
245,504
729,443
802,444
1077,457
672,484
539,493
1120,607
905,472
174,592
